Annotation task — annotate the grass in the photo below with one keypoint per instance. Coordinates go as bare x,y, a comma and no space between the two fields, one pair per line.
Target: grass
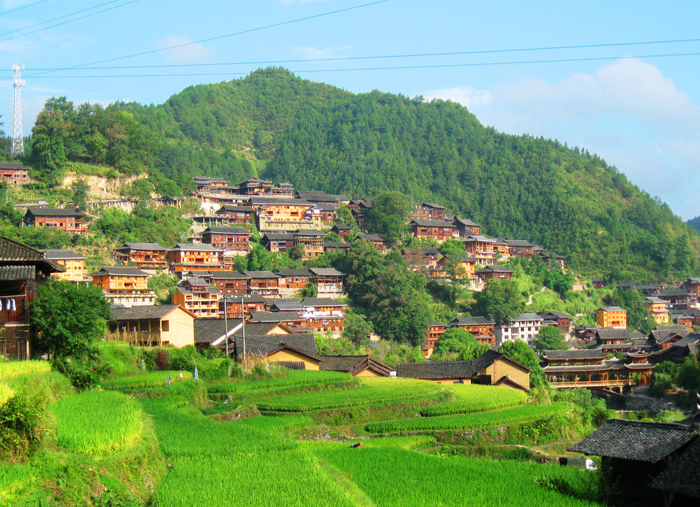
476,398
6,392
489,419
12,369
393,476
145,380
372,391
97,423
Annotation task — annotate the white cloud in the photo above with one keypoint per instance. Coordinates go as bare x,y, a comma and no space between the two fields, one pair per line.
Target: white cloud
314,53
187,52
628,112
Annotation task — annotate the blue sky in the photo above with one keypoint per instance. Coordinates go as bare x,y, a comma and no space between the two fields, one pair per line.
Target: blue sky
639,111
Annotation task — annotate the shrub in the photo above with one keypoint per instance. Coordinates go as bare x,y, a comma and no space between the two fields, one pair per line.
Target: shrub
20,429
81,375
147,357
162,359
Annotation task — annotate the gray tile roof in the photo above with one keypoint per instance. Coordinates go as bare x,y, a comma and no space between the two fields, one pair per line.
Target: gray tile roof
471,321
226,230
15,273
635,440
153,247
120,271
62,254
326,272
141,312
53,212
683,476
260,274
14,253
265,344
574,354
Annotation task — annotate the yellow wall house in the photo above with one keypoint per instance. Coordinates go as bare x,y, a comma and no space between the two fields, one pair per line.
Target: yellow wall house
295,351
74,264
153,325
611,316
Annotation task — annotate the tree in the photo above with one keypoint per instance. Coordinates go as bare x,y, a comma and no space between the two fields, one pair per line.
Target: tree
520,352
549,338
357,328
80,193
458,344
638,317
345,216
68,318
500,300
388,214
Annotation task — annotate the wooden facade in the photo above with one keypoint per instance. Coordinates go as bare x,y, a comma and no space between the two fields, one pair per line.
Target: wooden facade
124,285
482,328
69,220
14,173
658,308
188,257
195,295
286,214
438,230
233,240
142,255
428,211
230,283
571,369
329,282
611,316
73,264
263,283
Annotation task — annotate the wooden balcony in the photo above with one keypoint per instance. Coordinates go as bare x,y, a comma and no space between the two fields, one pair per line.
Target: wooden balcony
594,383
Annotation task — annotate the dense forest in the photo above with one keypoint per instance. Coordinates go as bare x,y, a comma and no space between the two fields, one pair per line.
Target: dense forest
275,125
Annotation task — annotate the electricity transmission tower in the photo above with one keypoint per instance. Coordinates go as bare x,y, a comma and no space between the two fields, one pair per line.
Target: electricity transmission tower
17,139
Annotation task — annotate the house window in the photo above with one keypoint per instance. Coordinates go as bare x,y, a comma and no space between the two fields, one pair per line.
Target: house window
165,326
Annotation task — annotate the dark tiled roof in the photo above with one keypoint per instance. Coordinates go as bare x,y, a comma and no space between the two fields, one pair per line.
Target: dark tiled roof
611,333
556,315
53,212
17,255
464,221
141,312
293,272
143,246
336,244
226,230
521,243
260,274
494,269
274,317
635,440
451,369
574,354
322,302
13,251
348,364
664,333
683,476
227,275
62,254
265,344
674,293
326,272
433,223
14,273
471,321
611,309
120,271
287,305
376,238
341,226
419,250
195,248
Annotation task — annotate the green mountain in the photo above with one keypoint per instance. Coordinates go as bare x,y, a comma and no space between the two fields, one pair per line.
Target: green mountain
275,125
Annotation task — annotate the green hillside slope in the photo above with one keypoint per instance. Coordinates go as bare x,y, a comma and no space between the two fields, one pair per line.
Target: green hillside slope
276,125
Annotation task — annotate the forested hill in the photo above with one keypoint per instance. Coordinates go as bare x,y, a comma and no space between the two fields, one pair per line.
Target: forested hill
276,125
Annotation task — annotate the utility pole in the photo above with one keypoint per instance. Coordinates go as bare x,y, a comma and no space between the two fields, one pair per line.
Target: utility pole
17,137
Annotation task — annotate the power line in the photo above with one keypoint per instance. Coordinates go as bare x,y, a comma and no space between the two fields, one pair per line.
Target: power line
234,34
404,67
23,7
376,57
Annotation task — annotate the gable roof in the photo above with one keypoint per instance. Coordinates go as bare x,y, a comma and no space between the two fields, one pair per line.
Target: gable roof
267,344
608,333
15,255
635,440
142,246
326,272
575,354
433,223
62,254
119,271
293,272
610,309
683,476
471,321
353,364
662,334
53,212
452,369
120,313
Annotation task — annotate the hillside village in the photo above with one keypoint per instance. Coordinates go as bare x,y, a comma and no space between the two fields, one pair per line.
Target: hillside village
279,315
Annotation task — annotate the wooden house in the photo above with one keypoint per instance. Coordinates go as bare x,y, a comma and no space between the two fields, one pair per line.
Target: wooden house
679,298
459,267
357,366
480,247
320,197
22,270
658,308
377,241
494,272
650,463
205,182
295,351
428,211
69,220
466,228
263,283
233,240
328,213
292,281
519,248
228,283
235,214
278,241
614,340
482,328
323,315
664,337
187,257
275,214
142,255
329,282
341,230
197,296
438,230
235,307
14,173
560,320
312,241
336,246
432,335
258,187
490,368
217,332
416,258
73,263
677,349
124,285
611,316
552,259
692,285
525,327
153,325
